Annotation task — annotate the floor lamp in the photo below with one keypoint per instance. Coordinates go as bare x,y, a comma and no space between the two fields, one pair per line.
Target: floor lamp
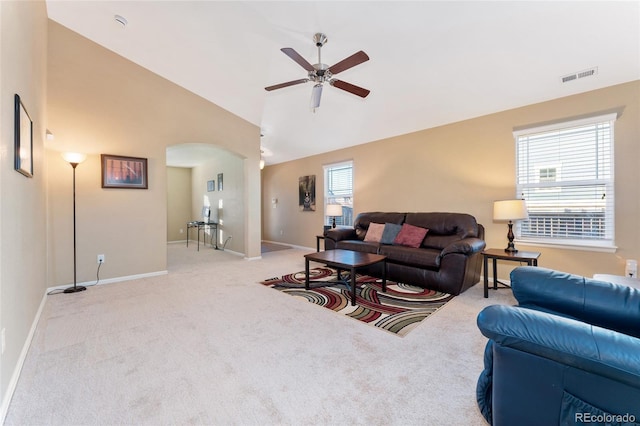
74,159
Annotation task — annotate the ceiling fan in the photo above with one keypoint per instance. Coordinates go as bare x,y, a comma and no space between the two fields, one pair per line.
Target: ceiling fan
322,73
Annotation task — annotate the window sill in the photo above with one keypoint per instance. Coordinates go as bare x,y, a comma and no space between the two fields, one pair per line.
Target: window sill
570,245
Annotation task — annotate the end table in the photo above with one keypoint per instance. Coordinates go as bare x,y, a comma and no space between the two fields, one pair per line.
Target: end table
531,257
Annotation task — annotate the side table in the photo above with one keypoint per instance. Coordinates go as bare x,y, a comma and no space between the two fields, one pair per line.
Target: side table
318,238
531,257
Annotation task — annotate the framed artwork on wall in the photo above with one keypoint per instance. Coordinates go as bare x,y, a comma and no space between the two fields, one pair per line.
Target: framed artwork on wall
307,193
124,172
220,186
211,185
23,139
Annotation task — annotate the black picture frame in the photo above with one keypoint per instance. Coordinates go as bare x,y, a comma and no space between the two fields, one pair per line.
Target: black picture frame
211,185
23,139
220,185
124,172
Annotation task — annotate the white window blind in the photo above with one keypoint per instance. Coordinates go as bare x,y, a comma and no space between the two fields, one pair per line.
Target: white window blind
565,174
338,184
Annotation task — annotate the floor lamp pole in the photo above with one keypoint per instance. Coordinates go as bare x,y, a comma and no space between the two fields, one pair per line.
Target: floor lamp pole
75,287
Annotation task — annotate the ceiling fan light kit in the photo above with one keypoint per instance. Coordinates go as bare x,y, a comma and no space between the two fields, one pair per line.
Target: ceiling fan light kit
322,73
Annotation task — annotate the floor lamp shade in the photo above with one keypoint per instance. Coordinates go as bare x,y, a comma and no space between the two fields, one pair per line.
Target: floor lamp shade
74,157
510,210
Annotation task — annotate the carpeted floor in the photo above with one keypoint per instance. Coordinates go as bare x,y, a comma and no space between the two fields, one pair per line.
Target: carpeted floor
207,345
268,247
398,310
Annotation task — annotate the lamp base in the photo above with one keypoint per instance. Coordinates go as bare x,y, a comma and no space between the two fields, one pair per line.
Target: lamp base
74,289
511,248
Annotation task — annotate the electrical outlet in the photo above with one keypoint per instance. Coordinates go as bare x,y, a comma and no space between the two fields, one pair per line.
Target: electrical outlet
100,258
4,342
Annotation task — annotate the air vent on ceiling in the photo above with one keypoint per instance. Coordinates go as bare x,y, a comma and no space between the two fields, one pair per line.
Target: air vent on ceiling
580,74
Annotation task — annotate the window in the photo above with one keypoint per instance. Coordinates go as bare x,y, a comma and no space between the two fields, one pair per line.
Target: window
565,173
338,184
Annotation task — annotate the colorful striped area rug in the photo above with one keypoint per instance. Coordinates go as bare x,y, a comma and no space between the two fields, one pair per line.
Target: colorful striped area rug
398,311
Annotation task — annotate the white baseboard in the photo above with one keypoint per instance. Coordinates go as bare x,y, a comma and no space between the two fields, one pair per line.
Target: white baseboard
110,280
23,356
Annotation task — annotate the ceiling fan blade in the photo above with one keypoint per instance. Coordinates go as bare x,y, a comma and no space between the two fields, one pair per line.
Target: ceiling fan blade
299,59
353,60
287,84
351,88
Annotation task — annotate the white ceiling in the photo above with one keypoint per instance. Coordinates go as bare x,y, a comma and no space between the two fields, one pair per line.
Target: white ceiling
432,62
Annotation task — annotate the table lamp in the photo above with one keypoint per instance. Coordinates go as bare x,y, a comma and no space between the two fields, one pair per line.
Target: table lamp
334,210
510,210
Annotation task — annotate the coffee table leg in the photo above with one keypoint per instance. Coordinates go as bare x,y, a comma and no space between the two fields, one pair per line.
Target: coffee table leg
384,276
306,274
353,286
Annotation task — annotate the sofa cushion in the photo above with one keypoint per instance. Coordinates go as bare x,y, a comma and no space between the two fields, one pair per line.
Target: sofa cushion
420,257
410,236
391,231
374,233
357,245
362,221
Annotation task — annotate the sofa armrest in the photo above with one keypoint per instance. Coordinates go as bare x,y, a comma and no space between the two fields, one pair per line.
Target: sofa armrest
600,303
466,246
564,340
339,234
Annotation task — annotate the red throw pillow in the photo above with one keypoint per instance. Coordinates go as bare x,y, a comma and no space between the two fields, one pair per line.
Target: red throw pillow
374,233
410,236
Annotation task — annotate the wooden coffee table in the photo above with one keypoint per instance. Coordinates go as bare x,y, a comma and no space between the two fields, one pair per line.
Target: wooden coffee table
347,260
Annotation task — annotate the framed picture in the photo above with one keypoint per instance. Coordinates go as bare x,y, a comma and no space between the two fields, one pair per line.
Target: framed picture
211,185
124,172
219,181
307,193
23,139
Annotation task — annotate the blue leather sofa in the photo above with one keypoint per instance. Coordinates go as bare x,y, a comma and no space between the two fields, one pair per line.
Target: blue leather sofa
568,354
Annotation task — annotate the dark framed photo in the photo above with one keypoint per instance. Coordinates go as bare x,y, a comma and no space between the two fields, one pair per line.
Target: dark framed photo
220,182
23,139
211,185
124,172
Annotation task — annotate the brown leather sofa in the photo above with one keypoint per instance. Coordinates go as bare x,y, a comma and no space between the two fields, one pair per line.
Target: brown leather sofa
448,259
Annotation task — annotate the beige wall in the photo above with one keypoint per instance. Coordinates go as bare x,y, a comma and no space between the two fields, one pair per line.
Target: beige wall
23,43
101,103
464,167
231,215
178,203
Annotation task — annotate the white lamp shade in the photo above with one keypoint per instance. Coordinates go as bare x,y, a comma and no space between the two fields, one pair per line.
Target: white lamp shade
510,210
74,157
334,210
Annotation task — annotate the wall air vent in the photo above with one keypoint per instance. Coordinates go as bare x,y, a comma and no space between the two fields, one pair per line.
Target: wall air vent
579,75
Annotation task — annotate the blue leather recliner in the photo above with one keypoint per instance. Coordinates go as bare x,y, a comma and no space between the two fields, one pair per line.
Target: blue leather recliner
568,354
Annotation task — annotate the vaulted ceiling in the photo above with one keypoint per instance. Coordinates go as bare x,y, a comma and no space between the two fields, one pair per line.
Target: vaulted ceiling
431,62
